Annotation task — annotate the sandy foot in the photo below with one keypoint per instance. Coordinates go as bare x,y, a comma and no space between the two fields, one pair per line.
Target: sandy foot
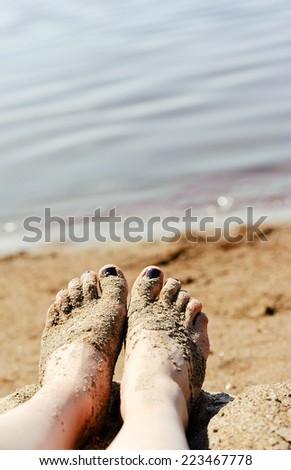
81,342
166,351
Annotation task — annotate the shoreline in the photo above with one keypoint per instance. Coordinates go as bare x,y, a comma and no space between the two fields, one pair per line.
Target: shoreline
12,242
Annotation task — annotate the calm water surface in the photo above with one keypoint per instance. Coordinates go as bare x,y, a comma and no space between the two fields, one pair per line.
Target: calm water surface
147,107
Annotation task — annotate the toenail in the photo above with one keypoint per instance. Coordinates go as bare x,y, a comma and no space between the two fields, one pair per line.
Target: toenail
88,271
111,271
153,273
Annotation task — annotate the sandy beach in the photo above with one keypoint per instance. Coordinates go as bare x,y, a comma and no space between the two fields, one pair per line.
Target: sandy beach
244,288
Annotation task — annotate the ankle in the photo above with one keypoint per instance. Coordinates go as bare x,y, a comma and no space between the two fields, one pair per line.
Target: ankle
162,396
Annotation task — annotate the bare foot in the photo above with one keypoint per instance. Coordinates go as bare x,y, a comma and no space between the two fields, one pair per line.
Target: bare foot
166,350
80,345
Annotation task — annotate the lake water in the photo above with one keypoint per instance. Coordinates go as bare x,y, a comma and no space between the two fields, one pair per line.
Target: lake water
149,107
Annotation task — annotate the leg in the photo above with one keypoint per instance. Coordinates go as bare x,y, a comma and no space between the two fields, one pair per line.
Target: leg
80,345
166,351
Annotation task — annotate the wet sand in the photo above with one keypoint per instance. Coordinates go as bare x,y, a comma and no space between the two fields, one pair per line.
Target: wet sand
244,288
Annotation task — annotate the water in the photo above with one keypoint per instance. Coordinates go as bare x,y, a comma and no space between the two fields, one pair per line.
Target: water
147,107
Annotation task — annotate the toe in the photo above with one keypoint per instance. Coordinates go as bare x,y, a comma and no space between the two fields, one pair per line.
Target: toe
89,286
182,300
76,292
63,301
170,290
53,315
148,285
113,284
194,307
200,327
197,321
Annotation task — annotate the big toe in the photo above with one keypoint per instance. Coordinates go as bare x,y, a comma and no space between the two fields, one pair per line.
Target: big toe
113,284
147,286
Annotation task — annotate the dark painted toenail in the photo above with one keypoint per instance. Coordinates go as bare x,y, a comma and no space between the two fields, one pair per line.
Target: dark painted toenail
109,271
88,271
153,273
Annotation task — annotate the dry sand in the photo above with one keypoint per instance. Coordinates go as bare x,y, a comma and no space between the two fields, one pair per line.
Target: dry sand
245,290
